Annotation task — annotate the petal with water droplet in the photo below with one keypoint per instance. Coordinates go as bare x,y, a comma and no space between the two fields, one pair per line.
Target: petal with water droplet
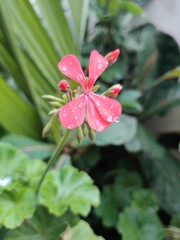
109,109
97,65
70,118
71,67
94,119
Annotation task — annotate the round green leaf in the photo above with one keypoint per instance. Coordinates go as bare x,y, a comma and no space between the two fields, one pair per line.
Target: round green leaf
19,176
68,188
43,226
118,133
16,206
82,230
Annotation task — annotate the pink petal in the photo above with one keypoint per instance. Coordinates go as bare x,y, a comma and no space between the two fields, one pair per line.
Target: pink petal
97,65
71,67
108,108
94,119
72,114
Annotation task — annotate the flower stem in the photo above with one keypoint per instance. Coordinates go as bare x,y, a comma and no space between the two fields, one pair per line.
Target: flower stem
53,157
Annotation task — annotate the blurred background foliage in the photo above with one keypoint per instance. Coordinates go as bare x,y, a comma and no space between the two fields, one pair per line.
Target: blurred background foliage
136,171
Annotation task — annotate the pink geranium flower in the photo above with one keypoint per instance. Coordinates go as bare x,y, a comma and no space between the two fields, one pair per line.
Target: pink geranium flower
99,111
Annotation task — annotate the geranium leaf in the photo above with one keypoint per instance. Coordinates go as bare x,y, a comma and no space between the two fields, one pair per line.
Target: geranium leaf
43,226
118,133
117,196
16,206
68,188
19,176
81,230
140,221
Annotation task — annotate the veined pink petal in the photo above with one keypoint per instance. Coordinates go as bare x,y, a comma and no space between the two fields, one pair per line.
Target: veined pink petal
72,114
71,67
108,108
97,65
94,119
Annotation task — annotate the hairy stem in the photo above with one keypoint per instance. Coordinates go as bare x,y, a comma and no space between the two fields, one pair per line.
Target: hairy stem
54,157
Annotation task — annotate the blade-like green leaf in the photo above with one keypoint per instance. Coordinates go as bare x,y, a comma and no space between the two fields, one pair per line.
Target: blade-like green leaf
79,12
35,149
57,25
17,116
70,188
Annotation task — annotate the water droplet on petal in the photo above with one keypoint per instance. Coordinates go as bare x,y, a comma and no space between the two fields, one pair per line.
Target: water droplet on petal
79,77
81,105
71,125
73,110
98,103
100,66
116,119
64,115
109,119
64,68
91,108
76,117
99,60
111,107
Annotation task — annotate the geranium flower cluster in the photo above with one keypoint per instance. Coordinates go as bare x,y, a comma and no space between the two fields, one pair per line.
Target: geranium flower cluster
98,110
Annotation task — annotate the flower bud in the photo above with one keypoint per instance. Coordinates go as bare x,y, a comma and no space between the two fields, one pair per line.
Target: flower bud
47,129
112,56
63,85
113,91
91,134
80,135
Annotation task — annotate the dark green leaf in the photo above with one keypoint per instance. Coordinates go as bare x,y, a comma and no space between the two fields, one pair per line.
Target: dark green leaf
162,170
139,221
118,133
115,197
43,226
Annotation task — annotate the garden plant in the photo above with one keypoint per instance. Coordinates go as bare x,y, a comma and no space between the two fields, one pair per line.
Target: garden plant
80,81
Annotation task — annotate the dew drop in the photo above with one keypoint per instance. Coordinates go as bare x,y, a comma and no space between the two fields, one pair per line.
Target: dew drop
91,106
98,103
109,119
116,119
76,117
81,105
99,60
64,115
71,125
100,66
80,76
5,181
64,68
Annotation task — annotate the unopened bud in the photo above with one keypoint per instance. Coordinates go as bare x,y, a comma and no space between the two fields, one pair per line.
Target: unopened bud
113,91
91,134
64,85
80,134
47,129
95,88
112,56
85,130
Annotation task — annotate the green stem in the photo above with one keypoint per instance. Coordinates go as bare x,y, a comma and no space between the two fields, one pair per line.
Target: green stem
53,158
